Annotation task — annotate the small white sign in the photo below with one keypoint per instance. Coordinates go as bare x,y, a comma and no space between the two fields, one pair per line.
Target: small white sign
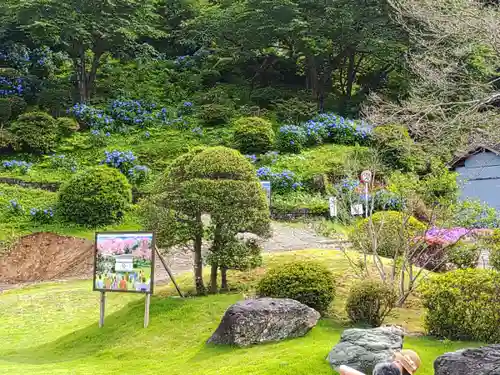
356,209
333,206
124,263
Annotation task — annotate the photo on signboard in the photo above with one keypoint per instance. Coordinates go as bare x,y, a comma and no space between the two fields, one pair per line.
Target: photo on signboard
124,262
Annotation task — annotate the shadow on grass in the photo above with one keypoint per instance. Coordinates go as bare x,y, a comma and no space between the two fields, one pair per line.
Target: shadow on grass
126,323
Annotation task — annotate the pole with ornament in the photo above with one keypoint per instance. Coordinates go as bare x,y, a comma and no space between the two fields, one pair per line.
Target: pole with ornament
366,178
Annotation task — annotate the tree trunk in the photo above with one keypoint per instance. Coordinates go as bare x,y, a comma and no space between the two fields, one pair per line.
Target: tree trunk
213,279
223,284
198,261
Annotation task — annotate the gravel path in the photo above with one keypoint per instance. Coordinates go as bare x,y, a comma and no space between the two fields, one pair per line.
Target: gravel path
286,237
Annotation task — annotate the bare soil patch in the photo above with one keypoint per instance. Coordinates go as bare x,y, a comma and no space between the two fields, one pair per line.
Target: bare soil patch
45,257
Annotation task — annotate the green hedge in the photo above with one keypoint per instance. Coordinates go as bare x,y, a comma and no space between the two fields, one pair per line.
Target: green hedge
253,135
463,305
310,283
97,196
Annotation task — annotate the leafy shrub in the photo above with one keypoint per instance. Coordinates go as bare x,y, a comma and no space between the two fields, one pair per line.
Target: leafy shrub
17,106
5,110
36,131
463,305
132,112
391,229
139,174
7,140
328,127
464,254
55,100
281,182
397,149
291,138
253,135
95,197
16,166
492,243
15,207
475,214
307,282
215,114
63,162
369,302
44,216
209,77
67,126
316,204
92,117
440,183
294,110
265,96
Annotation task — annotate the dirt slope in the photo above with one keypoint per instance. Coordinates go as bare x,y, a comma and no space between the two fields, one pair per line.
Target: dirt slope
46,256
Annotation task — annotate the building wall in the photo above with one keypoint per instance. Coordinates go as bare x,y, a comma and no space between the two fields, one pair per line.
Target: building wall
480,178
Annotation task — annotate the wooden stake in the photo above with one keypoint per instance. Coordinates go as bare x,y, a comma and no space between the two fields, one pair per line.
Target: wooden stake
102,309
169,273
146,310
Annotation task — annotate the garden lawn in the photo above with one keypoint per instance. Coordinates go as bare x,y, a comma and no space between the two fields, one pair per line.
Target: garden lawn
52,329
13,225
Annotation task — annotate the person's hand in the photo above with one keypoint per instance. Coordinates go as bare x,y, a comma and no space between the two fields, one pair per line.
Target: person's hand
345,370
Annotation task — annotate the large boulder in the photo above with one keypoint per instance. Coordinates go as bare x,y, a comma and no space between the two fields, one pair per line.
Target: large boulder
362,349
264,320
478,361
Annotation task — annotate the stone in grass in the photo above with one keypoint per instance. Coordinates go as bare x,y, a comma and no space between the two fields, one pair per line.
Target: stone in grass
264,320
362,349
477,361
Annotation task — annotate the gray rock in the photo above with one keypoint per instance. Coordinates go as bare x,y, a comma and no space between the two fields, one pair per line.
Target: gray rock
362,349
264,320
478,361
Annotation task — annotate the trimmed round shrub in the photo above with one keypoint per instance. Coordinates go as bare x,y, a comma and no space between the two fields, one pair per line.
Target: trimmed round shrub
221,163
369,302
35,131
6,139
5,110
392,230
67,125
310,283
253,135
215,114
463,305
95,197
464,254
291,138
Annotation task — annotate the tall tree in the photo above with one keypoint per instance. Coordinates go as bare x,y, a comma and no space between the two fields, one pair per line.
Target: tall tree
86,30
454,60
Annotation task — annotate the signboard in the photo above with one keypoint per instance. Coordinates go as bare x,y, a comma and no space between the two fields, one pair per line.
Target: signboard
266,185
356,209
333,206
366,177
124,262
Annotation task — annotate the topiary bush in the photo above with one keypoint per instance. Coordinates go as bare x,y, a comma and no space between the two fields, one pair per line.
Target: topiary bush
215,114
369,302
35,131
392,230
220,163
463,305
291,139
67,126
310,283
95,197
253,135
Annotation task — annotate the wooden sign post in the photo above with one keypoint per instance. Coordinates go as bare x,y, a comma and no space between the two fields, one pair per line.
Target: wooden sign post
102,309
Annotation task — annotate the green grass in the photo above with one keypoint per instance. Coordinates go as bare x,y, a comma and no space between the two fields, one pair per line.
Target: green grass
13,225
52,329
